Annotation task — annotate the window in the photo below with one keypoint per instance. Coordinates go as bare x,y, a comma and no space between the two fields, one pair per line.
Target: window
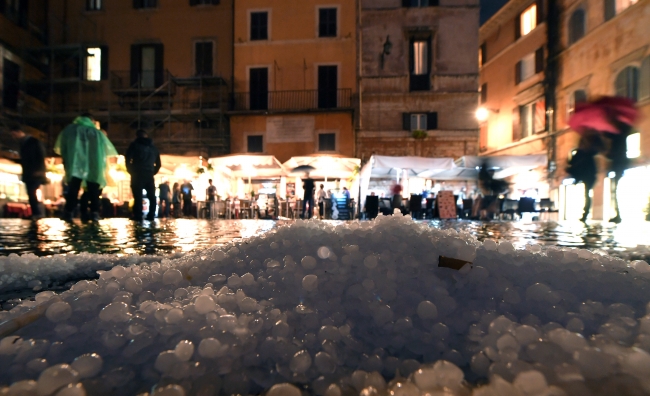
94,5
16,11
577,97
613,7
419,3
644,79
482,54
627,83
147,67
528,20
199,2
532,118
94,64
326,142
203,58
420,60
255,144
633,142
526,67
259,25
483,93
576,25
419,121
327,22
420,57
145,4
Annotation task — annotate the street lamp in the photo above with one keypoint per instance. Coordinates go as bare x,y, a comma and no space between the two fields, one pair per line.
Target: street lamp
482,113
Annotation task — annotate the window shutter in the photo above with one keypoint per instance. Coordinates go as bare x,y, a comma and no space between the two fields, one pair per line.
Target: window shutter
194,2
406,3
434,3
540,11
610,9
432,121
104,66
518,73
23,13
516,125
539,60
3,6
411,61
518,26
160,66
406,121
484,93
644,79
137,3
136,61
215,2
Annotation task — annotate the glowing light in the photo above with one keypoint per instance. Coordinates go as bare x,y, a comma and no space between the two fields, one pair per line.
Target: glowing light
482,114
54,177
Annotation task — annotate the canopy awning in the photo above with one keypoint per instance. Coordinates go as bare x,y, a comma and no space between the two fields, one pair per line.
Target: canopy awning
8,166
251,165
326,166
467,167
380,166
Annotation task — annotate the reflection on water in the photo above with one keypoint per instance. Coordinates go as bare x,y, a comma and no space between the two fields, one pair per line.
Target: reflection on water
122,236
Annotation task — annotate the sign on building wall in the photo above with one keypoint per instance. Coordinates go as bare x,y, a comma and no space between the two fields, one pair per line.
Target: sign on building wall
290,129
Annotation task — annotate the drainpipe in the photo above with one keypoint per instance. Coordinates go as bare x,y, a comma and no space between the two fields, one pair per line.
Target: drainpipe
551,75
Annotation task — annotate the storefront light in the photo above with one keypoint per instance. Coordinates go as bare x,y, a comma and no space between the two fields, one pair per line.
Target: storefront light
634,145
568,182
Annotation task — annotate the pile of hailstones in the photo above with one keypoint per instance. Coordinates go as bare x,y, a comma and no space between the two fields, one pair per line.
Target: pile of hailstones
355,308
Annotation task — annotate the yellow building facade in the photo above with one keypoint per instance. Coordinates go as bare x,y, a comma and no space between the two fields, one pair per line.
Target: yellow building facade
294,83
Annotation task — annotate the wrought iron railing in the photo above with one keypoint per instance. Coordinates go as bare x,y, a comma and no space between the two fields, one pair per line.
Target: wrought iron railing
292,100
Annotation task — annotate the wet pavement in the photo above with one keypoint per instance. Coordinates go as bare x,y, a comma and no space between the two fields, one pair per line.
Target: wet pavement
122,236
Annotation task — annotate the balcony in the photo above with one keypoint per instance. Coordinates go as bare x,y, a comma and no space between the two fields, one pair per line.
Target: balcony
286,101
128,82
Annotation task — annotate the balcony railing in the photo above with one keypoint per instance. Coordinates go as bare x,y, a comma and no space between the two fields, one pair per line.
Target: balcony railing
315,99
145,81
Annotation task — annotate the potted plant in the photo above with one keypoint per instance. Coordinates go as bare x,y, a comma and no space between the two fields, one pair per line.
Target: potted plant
419,134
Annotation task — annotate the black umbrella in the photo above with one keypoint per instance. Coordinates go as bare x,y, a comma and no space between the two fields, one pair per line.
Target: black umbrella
303,169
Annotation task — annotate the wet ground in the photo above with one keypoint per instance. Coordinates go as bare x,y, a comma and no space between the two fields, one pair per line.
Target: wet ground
122,236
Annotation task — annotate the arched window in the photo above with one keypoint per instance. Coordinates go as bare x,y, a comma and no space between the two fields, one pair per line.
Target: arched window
644,79
577,25
627,83
578,96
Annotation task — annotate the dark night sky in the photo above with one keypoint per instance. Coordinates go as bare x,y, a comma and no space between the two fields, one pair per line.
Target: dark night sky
489,7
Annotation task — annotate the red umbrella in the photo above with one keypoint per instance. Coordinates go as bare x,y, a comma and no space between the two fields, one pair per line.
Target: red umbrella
591,116
624,109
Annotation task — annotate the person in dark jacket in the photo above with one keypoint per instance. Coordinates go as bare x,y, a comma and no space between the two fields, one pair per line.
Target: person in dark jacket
186,194
582,166
617,155
164,192
32,160
142,163
308,186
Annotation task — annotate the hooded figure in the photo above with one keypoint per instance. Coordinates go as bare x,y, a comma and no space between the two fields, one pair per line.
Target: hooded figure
84,149
142,163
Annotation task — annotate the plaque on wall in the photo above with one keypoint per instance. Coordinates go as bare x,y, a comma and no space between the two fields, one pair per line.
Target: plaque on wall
290,129
446,205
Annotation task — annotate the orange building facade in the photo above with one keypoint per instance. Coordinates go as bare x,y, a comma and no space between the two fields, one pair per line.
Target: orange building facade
602,48
160,65
294,85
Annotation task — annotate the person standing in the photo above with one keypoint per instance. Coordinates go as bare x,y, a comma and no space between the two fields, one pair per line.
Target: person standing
617,155
186,193
582,166
176,199
308,186
142,163
321,197
32,160
84,149
164,193
211,197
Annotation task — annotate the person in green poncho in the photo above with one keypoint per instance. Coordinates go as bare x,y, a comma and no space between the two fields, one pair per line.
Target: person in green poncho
84,149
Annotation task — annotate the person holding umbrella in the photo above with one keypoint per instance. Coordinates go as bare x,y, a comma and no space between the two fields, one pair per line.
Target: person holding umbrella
582,166
614,118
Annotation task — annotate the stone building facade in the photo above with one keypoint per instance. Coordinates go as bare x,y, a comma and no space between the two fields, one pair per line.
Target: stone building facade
418,78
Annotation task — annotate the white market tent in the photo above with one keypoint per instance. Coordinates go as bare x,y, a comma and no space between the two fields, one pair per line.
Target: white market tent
385,167
467,167
251,165
326,166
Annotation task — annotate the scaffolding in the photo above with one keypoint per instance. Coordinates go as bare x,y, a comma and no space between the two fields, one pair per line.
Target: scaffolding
184,115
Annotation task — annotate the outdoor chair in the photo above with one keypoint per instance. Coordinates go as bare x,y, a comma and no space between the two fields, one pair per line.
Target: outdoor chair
467,208
526,205
415,205
428,208
509,209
